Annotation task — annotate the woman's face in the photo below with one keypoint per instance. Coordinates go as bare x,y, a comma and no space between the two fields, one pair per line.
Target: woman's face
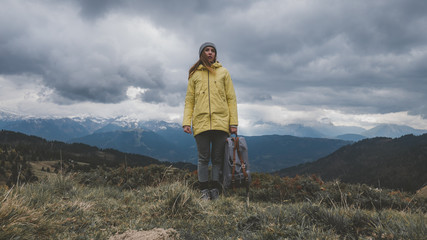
210,53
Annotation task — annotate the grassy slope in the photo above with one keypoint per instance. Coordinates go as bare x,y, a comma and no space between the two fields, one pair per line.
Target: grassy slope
61,207
36,167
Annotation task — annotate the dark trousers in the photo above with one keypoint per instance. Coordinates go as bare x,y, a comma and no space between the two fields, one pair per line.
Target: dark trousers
205,140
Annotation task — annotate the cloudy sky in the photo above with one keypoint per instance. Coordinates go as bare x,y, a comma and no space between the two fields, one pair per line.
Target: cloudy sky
357,63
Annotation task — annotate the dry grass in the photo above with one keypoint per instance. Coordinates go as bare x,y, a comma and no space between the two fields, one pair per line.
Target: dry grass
422,192
60,207
21,221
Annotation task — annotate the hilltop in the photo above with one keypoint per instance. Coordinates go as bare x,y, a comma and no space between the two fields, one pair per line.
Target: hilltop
102,204
101,193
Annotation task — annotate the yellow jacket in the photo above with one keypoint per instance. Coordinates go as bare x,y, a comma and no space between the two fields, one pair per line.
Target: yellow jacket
210,103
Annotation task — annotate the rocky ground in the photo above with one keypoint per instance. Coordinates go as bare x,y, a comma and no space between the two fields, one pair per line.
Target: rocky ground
154,234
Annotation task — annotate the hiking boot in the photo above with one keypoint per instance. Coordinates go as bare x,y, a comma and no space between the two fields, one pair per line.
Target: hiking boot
206,194
214,194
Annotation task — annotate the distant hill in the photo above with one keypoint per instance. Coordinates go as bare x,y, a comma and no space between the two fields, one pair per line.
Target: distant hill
142,142
399,163
300,130
351,137
267,153
272,152
174,144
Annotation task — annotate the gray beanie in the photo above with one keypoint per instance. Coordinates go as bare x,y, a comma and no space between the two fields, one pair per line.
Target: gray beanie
206,44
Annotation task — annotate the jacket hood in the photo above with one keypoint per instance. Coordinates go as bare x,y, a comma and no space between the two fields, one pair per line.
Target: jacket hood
214,65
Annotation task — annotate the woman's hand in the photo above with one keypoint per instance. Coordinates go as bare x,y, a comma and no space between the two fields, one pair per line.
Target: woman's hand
187,129
233,130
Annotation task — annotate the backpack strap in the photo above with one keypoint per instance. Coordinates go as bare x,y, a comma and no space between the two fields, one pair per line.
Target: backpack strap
237,151
234,162
242,163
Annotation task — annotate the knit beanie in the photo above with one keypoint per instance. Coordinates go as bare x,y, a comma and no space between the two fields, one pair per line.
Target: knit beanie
206,44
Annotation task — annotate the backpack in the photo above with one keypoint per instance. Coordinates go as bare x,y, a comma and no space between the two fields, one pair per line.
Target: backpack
235,170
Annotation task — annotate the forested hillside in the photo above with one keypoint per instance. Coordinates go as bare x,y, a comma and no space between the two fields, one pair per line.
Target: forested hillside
399,163
17,150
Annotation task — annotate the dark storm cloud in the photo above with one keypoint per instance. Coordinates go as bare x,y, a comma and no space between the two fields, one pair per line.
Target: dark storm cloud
165,13
108,84
93,9
352,56
78,60
373,48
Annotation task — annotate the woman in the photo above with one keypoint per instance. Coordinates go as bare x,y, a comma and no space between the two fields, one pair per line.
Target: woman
211,111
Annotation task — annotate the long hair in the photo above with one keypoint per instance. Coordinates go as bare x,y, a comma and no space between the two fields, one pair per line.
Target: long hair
204,61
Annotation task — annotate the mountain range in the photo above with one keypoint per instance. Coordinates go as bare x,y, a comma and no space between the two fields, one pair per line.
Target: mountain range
292,145
328,130
53,128
399,163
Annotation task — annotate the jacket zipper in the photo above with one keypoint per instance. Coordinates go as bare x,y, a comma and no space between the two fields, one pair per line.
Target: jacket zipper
209,96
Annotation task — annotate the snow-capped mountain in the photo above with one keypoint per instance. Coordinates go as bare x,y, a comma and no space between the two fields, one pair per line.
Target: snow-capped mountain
6,117
121,124
68,128
50,129
392,131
